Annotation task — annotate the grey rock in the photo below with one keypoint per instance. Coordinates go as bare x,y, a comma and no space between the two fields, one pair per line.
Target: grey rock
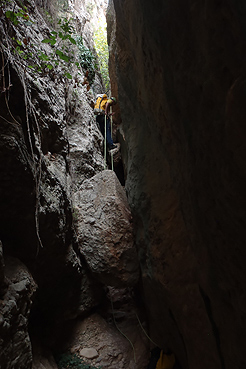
89,353
15,349
105,231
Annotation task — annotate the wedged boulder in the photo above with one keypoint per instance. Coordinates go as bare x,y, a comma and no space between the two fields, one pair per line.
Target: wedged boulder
105,231
15,304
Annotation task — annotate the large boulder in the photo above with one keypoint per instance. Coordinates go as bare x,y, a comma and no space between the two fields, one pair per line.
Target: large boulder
105,231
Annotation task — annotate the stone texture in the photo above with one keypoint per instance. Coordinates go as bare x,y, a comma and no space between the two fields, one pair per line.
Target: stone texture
15,307
181,78
113,346
112,65
37,166
85,139
89,353
104,230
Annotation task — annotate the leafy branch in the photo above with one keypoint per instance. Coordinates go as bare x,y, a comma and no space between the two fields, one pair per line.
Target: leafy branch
62,42
87,60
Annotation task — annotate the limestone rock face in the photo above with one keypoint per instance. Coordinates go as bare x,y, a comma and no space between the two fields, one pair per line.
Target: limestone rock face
85,139
181,81
36,165
15,304
104,230
112,65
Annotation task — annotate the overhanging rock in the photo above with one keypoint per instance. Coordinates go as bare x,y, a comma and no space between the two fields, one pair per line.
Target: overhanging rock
104,229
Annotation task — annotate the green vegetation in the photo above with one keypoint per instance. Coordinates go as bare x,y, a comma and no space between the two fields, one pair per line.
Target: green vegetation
62,52
62,41
63,5
75,214
87,60
89,8
13,16
101,46
70,361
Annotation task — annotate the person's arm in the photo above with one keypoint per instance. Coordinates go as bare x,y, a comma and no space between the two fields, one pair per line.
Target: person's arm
107,108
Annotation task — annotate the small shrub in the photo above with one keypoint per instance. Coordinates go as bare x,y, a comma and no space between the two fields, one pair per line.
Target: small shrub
86,59
72,361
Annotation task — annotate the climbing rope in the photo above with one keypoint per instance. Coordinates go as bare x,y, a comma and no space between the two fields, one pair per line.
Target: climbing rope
112,160
111,122
134,352
145,331
105,142
123,334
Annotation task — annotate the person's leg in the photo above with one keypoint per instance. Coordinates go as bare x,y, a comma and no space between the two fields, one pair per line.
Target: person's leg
100,121
110,141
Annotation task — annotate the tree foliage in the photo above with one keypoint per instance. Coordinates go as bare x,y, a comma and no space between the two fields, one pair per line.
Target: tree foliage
61,53
87,60
101,46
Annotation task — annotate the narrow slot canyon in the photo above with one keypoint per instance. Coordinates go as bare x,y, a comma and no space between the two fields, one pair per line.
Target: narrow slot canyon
122,222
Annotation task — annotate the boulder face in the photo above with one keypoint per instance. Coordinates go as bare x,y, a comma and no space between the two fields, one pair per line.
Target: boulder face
181,77
104,230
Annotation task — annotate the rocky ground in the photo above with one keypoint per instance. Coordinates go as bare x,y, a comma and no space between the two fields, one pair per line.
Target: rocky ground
111,337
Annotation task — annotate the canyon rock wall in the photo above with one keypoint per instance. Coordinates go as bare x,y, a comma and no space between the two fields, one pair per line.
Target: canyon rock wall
49,144
15,304
36,209
180,69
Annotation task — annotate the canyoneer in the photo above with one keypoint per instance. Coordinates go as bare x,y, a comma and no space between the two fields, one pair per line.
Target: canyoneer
102,111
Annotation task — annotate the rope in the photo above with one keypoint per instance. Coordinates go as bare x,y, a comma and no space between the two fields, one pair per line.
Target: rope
134,353
112,160
145,331
111,122
105,142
